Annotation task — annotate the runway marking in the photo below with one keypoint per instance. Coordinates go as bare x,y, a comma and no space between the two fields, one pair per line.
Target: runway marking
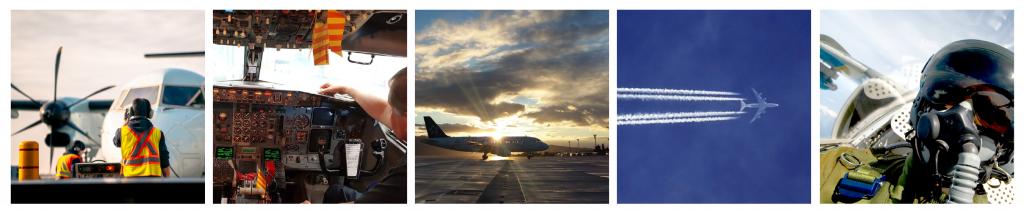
541,180
515,171
493,194
599,174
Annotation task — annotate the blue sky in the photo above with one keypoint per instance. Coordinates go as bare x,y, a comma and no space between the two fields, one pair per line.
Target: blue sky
899,43
535,73
732,161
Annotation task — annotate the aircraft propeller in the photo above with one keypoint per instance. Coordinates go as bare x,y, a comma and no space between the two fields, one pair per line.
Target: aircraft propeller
175,54
55,113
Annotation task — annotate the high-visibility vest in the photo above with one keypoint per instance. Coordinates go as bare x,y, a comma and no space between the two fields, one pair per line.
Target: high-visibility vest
139,154
64,166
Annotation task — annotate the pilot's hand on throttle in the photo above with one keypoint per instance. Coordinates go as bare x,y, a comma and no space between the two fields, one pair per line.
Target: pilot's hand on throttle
331,89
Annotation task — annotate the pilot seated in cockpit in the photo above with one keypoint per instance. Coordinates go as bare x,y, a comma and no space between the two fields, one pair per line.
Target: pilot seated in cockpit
391,113
962,133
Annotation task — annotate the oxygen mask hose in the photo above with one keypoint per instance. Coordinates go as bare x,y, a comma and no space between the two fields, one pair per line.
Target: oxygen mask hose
937,131
965,176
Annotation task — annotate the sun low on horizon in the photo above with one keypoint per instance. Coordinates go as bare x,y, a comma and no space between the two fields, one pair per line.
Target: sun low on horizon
541,74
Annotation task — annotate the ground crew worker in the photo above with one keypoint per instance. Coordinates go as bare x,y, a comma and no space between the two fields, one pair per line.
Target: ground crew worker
66,163
143,150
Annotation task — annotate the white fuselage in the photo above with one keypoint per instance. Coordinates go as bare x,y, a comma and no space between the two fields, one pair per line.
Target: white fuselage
759,105
501,146
183,126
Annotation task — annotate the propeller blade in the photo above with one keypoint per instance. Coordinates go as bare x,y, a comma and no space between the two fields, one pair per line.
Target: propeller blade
90,95
29,126
72,125
51,160
176,54
26,95
56,67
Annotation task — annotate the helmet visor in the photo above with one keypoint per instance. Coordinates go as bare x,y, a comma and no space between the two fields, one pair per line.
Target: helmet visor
993,108
993,105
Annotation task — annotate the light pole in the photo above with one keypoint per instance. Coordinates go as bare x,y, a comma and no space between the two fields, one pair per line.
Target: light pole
595,141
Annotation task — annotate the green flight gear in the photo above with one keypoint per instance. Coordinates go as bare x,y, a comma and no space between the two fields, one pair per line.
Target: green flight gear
873,163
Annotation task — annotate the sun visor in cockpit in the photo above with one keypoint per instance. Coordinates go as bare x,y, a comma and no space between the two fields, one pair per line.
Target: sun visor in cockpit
383,33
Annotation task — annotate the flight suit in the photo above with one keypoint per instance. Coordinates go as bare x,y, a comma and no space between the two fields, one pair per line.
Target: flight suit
833,168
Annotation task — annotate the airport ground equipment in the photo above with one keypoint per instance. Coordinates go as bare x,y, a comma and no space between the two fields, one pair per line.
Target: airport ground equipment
28,160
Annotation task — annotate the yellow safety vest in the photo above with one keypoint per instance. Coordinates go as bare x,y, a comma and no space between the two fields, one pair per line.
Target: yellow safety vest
64,166
140,157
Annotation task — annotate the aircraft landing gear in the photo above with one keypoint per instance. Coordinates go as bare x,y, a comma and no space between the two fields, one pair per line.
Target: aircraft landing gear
485,156
529,155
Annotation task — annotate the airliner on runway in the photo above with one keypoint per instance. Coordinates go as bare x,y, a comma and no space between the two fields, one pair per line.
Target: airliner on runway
501,146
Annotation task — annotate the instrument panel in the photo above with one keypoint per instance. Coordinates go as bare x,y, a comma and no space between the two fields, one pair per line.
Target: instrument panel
254,126
289,29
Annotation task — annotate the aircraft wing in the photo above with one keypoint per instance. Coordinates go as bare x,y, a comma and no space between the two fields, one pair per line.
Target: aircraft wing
25,105
96,106
758,114
474,143
833,54
100,105
759,99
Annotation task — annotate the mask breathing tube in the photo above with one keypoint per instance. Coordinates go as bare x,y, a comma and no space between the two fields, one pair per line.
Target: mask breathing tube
954,124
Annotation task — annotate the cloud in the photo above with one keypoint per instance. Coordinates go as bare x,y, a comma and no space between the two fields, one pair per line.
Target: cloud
584,115
828,112
708,28
445,44
476,67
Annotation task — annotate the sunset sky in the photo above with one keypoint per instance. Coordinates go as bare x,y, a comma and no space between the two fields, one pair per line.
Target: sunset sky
535,73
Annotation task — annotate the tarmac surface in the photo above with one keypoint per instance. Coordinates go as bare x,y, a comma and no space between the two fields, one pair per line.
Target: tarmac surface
464,179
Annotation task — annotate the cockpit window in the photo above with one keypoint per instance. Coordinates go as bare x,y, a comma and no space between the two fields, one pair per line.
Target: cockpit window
182,96
227,62
296,69
292,67
148,93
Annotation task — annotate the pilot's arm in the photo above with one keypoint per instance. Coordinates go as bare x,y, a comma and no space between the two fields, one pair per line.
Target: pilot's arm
377,108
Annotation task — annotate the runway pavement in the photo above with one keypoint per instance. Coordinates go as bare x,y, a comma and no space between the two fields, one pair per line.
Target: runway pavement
464,179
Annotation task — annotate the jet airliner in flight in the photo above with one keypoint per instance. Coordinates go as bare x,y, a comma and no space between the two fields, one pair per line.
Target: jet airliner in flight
502,146
760,105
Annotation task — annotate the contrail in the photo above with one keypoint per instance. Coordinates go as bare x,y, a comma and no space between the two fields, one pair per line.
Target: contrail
673,91
645,116
647,97
672,121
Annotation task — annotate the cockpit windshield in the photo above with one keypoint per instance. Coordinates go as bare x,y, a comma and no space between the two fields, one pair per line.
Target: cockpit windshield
295,69
148,93
183,96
